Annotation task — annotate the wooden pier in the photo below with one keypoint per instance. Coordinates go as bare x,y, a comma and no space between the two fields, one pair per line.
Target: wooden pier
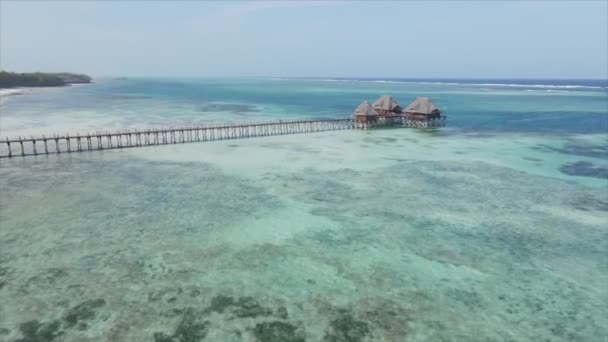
68,143
401,121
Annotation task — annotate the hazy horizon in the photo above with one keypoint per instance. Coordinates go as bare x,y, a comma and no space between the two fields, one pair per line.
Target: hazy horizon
314,77
308,39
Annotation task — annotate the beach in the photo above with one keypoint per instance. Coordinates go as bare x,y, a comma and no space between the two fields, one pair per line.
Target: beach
5,92
8,92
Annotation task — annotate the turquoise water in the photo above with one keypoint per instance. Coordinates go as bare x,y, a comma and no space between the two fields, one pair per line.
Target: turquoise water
493,228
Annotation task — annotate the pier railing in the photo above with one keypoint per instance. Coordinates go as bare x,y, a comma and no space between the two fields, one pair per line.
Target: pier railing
68,143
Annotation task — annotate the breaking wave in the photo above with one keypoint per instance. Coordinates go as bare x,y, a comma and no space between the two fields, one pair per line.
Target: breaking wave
498,85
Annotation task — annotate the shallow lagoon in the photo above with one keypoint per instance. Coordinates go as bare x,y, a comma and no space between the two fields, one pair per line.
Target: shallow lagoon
459,234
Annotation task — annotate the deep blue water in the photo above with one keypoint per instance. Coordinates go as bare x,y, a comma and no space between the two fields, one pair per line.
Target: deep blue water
488,105
471,105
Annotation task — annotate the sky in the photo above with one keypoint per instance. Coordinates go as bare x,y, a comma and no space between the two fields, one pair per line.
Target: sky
433,39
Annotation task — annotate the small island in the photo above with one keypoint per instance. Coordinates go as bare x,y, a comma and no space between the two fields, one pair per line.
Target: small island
40,79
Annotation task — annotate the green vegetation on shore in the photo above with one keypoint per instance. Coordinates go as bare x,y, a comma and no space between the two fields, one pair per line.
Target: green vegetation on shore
39,79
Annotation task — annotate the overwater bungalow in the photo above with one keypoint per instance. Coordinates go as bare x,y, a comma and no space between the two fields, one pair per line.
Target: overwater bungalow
386,112
422,108
365,113
386,105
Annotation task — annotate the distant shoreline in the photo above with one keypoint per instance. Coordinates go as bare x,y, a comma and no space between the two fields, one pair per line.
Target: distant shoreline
12,80
16,91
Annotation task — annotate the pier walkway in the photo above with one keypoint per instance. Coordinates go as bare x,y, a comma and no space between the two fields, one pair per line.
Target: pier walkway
24,146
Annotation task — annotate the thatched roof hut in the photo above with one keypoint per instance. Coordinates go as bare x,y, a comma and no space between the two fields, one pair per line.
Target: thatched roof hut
386,105
422,106
365,112
365,109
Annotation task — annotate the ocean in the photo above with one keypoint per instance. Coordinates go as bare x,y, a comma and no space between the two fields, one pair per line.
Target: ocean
492,228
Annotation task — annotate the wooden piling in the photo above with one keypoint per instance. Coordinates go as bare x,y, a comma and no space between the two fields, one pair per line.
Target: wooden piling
21,143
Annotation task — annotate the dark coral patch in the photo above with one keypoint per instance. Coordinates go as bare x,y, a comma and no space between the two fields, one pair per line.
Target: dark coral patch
47,277
5,274
471,298
277,332
83,312
241,307
34,331
5,271
282,313
587,203
346,329
220,303
189,329
595,151
584,169
249,307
